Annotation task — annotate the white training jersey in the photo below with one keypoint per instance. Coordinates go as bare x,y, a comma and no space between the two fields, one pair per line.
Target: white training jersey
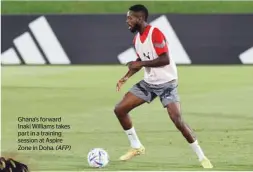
146,51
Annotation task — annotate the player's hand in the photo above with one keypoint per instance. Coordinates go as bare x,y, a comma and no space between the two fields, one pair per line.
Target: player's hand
135,65
120,83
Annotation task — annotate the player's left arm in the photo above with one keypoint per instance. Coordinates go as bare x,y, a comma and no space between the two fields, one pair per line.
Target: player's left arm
161,48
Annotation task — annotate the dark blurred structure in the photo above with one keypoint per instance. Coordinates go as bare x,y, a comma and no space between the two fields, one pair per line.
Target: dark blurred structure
10,165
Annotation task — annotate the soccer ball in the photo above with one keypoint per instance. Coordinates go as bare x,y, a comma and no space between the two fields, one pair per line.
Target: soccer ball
98,158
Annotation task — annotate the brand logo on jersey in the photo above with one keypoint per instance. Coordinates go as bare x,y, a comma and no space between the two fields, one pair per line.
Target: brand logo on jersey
38,46
176,49
147,56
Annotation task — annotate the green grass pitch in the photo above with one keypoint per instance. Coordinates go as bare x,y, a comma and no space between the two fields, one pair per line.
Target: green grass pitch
216,102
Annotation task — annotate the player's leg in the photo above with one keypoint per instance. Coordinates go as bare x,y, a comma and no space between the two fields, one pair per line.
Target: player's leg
170,101
128,103
122,109
174,111
134,98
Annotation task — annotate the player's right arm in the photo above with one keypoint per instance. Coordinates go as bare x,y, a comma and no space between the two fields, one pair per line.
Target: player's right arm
130,73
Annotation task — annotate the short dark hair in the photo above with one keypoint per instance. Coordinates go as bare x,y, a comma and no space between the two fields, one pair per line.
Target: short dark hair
140,8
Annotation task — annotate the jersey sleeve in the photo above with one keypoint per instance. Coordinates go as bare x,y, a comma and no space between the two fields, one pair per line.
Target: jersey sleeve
159,42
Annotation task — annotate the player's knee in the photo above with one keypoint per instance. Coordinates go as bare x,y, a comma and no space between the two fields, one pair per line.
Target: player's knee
119,110
116,110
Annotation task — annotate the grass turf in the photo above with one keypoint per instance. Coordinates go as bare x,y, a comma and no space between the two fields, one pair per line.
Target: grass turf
216,102
78,7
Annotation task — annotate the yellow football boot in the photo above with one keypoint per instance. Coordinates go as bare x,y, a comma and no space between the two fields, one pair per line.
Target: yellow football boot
206,163
132,153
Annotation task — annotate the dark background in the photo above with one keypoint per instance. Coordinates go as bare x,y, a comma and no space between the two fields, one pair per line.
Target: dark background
98,39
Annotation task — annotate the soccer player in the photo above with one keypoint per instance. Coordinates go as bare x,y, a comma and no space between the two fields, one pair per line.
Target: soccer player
160,80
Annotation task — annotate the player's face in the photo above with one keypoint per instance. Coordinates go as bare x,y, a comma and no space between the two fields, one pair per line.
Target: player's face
133,21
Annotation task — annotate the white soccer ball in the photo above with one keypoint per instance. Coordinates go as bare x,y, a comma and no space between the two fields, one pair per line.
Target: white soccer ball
98,158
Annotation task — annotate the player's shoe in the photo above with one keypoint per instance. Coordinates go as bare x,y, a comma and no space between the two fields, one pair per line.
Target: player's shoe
132,152
206,163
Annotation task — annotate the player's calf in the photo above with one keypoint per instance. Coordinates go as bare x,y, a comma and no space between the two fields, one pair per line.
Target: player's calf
182,127
175,115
